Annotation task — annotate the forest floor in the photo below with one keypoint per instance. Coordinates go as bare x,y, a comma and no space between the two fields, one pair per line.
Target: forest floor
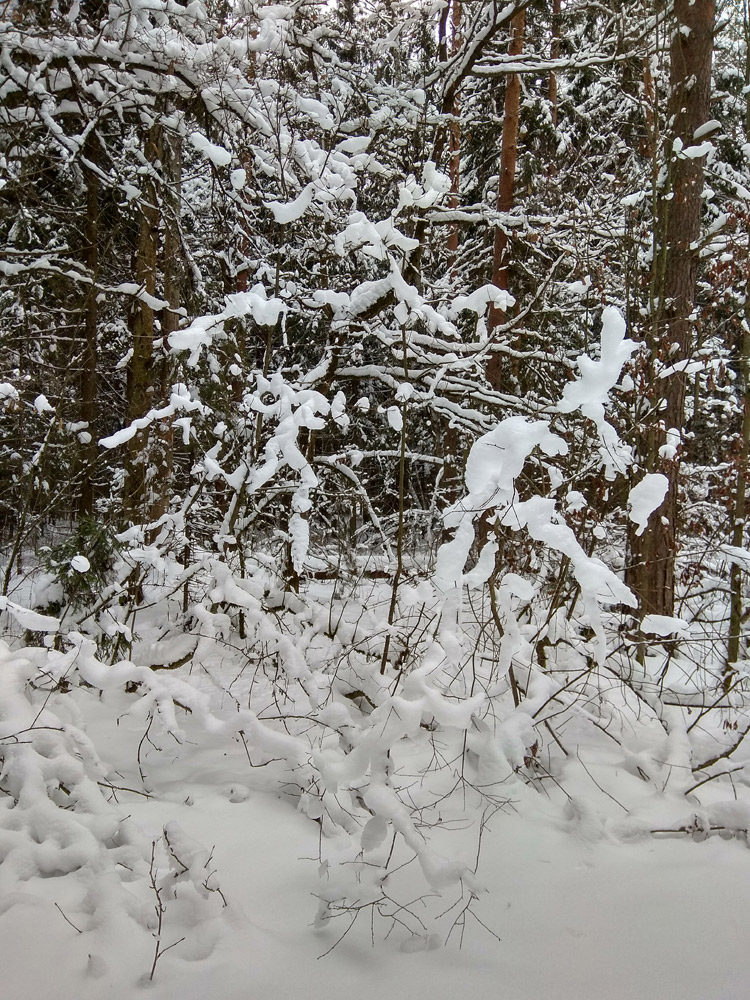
579,915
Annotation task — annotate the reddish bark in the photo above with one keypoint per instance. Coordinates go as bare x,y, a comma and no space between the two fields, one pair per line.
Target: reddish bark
506,186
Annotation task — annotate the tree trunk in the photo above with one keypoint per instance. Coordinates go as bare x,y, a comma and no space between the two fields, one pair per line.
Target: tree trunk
506,188
162,451
554,54
88,375
736,575
670,339
140,388
454,139
739,512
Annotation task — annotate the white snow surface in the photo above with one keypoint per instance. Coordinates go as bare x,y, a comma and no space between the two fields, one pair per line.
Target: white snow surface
586,900
43,405
580,917
200,333
664,625
590,392
290,211
645,497
219,156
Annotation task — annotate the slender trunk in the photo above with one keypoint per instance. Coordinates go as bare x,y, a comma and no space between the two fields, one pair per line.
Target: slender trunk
140,384
88,376
554,54
506,188
650,142
454,139
743,459
651,572
400,538
162,456
452,464
739,512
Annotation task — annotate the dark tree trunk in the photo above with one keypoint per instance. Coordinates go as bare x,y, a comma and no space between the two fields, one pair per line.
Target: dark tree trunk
140,388
162,451
670,339
88,376
739,513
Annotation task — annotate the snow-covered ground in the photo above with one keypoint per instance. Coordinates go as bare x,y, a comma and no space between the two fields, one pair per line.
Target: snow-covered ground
580,912
578,920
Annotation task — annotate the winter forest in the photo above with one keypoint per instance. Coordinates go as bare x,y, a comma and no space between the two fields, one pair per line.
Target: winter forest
374,453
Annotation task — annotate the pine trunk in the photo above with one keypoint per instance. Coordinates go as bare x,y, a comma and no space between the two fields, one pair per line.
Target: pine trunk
739,513
506,188
651,570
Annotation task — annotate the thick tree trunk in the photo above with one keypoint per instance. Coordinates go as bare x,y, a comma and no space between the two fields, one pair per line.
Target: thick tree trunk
651,571
506,188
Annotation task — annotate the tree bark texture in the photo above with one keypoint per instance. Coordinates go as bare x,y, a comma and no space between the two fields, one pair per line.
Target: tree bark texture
739,513
506,188
670,339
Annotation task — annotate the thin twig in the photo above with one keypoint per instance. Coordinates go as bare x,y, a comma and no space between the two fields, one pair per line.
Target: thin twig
711,778
68,920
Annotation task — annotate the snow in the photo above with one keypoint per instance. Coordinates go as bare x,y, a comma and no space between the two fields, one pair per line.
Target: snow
590,392
200,334
219,156
736,554
579,287
245,809
27,618
395,420
571,909
632,200
478,300
645,497
354,144
386,771
291,211
664,625
674,439
43,405
696,152
180,399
